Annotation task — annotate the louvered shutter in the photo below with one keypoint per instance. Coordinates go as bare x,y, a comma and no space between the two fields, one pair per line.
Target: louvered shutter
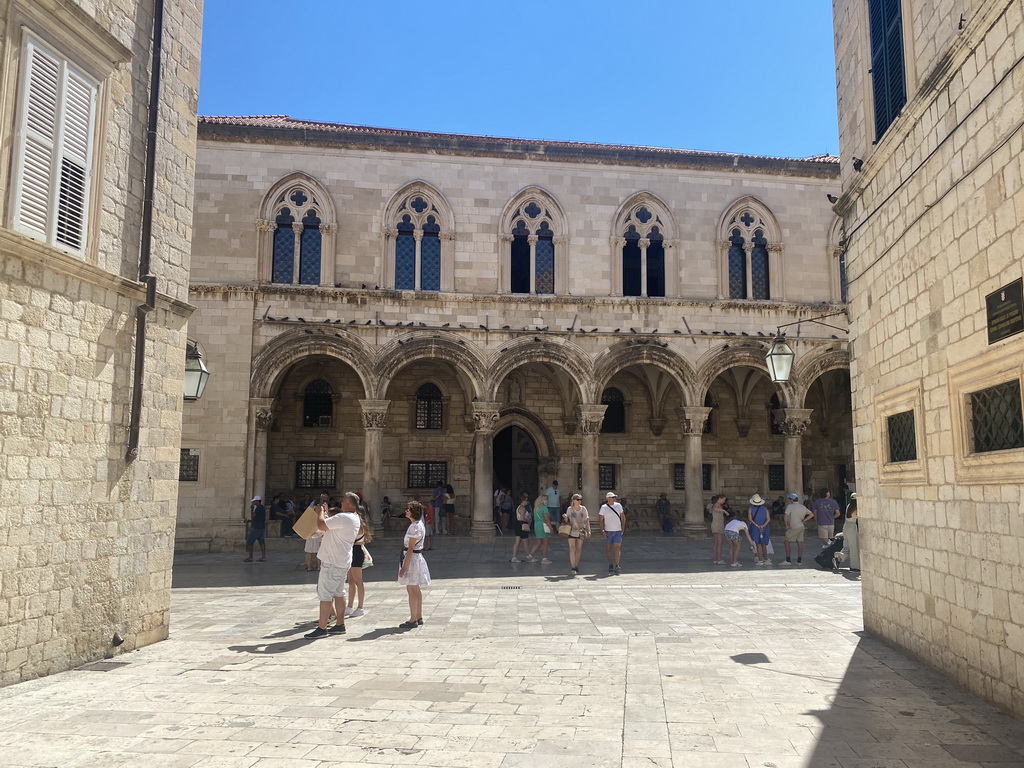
53,151
887,67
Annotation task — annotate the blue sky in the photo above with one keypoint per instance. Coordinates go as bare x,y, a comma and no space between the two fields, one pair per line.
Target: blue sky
750,76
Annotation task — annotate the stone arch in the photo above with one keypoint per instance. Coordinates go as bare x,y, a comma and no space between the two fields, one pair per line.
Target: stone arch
758,209
719,360
437,207
559,353
663,216
812,366
532,423
317,191
624,354
405,350
551,212
274,359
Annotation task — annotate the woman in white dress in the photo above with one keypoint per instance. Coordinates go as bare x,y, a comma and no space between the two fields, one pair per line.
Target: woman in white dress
413,571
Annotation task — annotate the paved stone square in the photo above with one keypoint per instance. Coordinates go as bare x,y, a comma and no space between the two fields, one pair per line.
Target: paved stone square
674,663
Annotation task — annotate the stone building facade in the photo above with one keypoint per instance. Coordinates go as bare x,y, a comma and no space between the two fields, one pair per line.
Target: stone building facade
381,309
86,533
931,107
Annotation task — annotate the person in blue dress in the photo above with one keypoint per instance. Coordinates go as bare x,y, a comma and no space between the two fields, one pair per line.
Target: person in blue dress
760,532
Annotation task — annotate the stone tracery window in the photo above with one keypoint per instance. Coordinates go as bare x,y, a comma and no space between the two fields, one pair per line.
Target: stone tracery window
643,253
751,251
417,253
317,404
298,241
429,407
615,414
532,263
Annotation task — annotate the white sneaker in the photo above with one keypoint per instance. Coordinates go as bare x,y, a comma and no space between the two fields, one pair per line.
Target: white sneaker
515,560
735,565
545,561
529,558
785,562
354,613
719,562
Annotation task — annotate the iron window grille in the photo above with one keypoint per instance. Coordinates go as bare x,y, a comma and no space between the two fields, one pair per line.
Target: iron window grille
316,474
679,476
902,438
996,420
606,477
429,407
426,474
776,477
188,465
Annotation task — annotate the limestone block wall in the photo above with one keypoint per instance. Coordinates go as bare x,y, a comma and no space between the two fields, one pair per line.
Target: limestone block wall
933,224
86,538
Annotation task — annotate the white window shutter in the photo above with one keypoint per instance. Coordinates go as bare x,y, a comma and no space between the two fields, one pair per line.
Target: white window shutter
53,150
75,161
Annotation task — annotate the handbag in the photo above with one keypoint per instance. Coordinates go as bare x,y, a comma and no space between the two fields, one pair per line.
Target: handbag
563,530
367,558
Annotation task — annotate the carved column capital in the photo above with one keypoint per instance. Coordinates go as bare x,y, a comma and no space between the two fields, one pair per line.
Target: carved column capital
644,243
793,421
449,236
617,242
264,225
328,229
774,247
485,416
725,244
375,413
590,417
692,418
297,227
532,239
390,233
560,240
657,425
417,235
506,238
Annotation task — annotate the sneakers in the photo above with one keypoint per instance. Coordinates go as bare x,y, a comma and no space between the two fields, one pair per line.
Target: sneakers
318,632
735,565
354,613
575,571
799,561
545,561
529,558
719,562
611,568
617,571
787,561
515,560
337,629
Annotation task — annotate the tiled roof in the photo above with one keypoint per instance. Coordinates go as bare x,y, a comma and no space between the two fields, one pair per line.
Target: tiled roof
287,123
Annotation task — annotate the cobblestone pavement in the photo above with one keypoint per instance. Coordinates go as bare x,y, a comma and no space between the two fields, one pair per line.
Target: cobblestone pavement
674,663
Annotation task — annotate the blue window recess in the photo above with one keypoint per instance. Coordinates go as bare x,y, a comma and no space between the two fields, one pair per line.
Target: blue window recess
656,264
737,266
310,250
405,255
888,77
520,259
430,256
631,263
759,267
418,246
284,248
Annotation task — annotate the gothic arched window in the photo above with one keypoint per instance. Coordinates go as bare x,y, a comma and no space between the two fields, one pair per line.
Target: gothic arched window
418,245
317,404
615,414
532,262
429,407
750,238
643,253
297,248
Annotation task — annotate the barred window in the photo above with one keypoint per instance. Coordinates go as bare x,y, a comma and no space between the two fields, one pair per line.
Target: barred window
776,477
429,407
902,440
606,477
318,404
996,421
426,474
679,476
316,474
188,465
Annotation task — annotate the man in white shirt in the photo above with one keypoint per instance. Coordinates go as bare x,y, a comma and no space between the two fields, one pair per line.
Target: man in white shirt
340,532
613,523
796,515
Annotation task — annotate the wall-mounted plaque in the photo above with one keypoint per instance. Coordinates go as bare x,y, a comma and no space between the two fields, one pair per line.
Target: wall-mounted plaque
1005,310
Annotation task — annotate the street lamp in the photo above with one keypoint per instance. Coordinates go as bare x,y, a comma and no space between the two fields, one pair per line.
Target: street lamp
196,372
780,355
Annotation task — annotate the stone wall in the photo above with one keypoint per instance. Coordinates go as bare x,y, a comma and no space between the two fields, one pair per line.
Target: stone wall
933,225
86,538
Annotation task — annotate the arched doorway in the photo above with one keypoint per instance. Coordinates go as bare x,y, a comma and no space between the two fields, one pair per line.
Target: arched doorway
515,462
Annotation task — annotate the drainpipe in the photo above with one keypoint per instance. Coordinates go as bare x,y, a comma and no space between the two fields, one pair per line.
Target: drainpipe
145,248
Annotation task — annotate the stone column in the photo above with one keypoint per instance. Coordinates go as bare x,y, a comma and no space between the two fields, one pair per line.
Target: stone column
590,418
296,256
532,240
644,244
417,237
693,419
485,416
261,418
375,418
793,422
748,249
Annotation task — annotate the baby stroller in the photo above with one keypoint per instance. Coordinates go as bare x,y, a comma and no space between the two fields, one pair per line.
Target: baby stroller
829,558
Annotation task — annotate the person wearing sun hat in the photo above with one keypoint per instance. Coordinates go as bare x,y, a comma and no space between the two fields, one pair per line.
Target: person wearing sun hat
757,514
613,523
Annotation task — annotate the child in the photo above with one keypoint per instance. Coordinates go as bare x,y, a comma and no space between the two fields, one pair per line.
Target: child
733,530
312,548
385,513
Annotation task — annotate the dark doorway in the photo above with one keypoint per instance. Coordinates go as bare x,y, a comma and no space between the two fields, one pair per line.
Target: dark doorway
515,462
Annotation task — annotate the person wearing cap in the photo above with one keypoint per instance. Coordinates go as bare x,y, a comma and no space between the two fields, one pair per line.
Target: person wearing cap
796,515
757,514
826,512
257,529
613,523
